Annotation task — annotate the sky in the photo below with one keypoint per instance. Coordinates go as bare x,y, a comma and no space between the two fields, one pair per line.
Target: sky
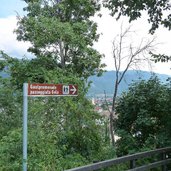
108,28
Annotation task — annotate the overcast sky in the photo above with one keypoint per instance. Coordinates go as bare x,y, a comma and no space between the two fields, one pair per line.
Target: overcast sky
108,28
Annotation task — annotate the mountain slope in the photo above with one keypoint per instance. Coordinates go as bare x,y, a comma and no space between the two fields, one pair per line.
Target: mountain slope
106,81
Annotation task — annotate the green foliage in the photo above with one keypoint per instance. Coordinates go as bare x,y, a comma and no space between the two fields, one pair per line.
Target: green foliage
64,132
63,33
11,150
161,57
134,9
10,108
41,70
157,11
143,117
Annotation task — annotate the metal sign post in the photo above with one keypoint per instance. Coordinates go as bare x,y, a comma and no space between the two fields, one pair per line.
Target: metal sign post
41,90
25,115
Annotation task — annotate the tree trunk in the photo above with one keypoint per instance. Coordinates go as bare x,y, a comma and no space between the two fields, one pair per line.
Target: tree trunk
112,130
112,113
62,56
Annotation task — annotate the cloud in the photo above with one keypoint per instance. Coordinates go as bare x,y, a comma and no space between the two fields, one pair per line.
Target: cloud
108,27
8,41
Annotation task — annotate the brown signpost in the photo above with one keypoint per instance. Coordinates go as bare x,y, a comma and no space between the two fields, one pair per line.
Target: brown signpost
41,90
38,89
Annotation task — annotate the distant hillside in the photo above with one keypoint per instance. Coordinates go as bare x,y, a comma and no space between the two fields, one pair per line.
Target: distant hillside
106,81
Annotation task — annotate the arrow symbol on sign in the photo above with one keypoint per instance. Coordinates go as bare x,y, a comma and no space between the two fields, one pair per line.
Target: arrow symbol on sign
73,89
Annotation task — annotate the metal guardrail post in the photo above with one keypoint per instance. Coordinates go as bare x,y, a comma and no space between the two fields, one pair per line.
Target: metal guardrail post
163,157
132,164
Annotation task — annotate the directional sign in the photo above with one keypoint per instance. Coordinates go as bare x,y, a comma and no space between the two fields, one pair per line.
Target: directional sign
41,90
52,90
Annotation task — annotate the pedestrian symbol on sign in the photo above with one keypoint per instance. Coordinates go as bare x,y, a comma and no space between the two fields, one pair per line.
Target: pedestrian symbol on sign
65,89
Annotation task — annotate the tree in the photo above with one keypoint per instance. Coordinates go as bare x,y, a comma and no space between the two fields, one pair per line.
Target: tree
10,108
143,117
62,32
63,131
158,11
126,56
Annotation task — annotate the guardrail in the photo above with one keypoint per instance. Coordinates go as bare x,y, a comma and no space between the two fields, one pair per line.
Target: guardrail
164,159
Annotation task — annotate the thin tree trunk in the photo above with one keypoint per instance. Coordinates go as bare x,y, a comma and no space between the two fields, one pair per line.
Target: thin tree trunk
133,58
62,56
112,113
111,129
